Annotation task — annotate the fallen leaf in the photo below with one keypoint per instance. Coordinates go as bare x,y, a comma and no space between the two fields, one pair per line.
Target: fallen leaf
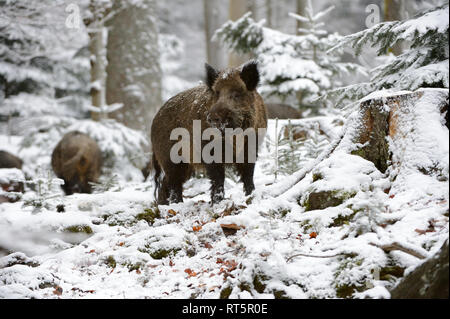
208,245
58,291
196,228
230,229
172,212
420,231
313,235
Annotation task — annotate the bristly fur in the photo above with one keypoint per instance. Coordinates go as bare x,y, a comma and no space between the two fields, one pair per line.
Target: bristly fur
211,75
227,100
250,75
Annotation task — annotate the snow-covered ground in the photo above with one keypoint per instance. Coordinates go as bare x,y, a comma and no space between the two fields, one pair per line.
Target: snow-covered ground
119,244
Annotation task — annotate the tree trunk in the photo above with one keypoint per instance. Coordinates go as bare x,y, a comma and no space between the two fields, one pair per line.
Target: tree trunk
269,13
237,9
379,118
394,10
301,10
212,22
134,72
428,281
97,48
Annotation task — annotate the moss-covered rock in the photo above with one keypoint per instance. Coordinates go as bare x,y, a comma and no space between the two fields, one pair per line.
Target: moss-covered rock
325,199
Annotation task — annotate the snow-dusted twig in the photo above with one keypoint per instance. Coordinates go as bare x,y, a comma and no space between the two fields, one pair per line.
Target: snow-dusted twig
397,246
314,256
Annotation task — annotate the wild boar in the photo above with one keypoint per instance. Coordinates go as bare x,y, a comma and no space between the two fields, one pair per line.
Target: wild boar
228,100
77,160
282,111
8,160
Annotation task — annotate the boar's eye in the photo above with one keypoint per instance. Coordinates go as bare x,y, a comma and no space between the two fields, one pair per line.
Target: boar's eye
235,95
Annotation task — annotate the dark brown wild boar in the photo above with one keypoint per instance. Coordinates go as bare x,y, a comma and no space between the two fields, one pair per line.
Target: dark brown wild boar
229,100
282,111
77,160
8,160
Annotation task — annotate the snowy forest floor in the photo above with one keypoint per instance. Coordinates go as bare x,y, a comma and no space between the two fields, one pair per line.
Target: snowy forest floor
119,244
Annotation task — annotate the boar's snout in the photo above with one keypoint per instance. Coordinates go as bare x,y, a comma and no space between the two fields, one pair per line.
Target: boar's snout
221,117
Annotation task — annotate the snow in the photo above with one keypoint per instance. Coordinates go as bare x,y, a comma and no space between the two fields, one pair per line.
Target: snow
116,243
198,260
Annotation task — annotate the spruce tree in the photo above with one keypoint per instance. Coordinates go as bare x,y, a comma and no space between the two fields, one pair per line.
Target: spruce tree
424,64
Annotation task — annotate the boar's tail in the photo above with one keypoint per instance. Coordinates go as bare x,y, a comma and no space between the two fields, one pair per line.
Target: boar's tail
156,178
71,164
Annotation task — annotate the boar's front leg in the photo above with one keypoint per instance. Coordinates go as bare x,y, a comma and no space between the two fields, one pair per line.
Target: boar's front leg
216,173
246,170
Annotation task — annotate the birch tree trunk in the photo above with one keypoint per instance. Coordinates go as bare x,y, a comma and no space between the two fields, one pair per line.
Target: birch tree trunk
134,71
98,39
97,48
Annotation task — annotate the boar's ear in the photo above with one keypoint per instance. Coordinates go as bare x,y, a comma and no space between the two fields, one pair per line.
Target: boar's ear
211,75
250,75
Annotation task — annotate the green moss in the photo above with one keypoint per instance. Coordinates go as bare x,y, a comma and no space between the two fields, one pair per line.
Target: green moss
359,152
111,262
133,266
325,199
79,229
226,292
342,220
386,273
244,286
316,177
306,225
347,291
284,212
149,215
160,253
280,294
258,283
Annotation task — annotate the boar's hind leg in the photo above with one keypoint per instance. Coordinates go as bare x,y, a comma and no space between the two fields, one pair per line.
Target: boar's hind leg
245,170
216,173
171,190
